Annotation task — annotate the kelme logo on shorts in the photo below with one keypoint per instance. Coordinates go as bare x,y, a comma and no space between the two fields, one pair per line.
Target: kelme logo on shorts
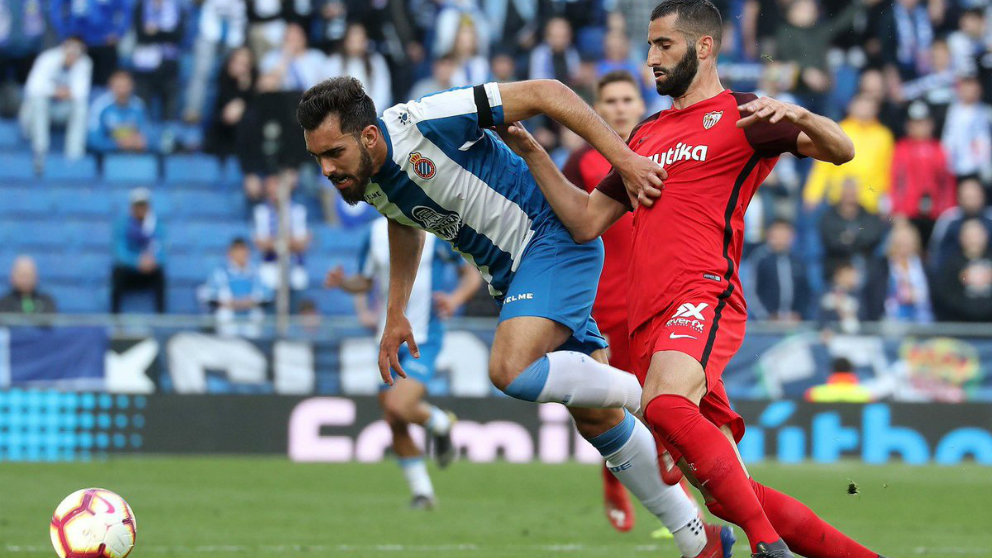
444,225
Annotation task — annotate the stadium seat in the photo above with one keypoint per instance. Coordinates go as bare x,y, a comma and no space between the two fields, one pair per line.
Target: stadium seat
335,239
35,234
57,167
24,201
81,299
82,202
192,169
19,165
10,135
90,235
206,204
130,168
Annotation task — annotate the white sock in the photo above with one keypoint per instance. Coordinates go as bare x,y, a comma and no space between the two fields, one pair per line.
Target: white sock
415,471
439,421
577,380
631,455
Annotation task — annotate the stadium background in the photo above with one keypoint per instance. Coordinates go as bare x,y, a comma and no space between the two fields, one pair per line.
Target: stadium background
86,384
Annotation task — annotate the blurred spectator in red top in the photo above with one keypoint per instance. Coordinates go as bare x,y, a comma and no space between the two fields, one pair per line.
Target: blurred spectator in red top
922,184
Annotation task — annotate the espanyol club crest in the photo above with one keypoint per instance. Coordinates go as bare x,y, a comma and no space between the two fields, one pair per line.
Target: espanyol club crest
424,167
711,118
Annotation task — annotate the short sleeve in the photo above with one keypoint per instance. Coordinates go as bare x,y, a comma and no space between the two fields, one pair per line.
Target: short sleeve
612,186
767,139
456,115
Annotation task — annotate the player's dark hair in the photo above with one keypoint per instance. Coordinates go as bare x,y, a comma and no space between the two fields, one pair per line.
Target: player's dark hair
781,221
694,18
237,242
616,76
842,364
343,96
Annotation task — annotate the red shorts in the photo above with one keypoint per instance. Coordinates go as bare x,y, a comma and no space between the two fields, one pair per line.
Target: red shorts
619,339
708,329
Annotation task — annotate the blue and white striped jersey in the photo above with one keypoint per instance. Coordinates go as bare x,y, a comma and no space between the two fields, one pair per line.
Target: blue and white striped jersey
447,174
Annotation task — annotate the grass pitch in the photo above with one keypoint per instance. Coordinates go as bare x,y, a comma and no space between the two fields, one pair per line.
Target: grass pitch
247,507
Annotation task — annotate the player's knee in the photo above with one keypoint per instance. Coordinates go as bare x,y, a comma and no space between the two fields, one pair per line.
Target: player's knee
395,411
502,372
593,422
518,379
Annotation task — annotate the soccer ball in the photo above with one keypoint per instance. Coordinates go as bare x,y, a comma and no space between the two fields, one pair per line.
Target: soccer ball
93,523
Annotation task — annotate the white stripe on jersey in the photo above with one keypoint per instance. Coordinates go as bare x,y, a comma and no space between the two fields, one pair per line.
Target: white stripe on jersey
456,189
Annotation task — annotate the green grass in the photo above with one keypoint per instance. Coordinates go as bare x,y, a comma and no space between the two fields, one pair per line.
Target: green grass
244,507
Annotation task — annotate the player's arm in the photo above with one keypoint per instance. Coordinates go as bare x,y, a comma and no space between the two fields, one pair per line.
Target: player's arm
524,99
405,246
819,137
585,215
353,284
469,281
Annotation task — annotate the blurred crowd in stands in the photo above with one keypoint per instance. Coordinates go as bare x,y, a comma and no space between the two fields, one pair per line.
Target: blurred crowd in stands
901,233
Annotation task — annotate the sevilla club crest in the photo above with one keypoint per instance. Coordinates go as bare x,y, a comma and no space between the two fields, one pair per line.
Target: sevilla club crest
711,118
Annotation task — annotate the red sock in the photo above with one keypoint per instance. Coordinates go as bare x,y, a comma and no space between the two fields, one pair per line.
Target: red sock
803,530
714,462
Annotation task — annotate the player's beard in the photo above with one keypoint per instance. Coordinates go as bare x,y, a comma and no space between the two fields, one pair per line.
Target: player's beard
679,78
355,192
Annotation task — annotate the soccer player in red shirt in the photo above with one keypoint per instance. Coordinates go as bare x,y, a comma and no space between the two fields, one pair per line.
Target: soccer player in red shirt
619,102
686,310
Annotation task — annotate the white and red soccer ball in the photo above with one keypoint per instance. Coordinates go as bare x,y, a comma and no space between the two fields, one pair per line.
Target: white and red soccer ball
93,523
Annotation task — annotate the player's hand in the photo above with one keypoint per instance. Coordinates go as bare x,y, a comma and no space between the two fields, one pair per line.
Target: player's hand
766,109
398,331
643,178
517,138
445,305
334,278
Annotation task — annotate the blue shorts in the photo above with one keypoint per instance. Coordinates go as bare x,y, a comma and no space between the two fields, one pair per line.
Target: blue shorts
557,279
420,369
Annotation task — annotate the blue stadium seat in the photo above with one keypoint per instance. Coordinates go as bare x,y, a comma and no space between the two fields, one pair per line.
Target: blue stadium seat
90,235
23,201
80,299
10,135
232,171
57,167
193,268
19,165
336,239
35,234
82,202
195,169
207,204
130,167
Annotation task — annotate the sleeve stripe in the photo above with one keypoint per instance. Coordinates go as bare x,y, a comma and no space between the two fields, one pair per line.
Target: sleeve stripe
485,111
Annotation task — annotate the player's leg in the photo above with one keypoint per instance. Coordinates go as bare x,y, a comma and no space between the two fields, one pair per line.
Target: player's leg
409,457
406,400
524,364
674,386
803,530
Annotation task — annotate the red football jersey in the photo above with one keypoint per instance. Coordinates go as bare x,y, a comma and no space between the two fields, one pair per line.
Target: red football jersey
694,231
586,168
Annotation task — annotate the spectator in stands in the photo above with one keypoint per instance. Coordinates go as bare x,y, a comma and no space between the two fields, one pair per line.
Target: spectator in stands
871,167
21,39
971,206
138,253
906,33
969,42
236,293
849,232
779,286
159,27
616,56
58,88
330,24
890,114
225,137
922,184
936,87
356,59
266,26
118,120
219,20
897,286
804,26
840,306
963,285
504,68
968,132
555,58
267,232
293,66
449,20
24,296
471,68
100,25
441,71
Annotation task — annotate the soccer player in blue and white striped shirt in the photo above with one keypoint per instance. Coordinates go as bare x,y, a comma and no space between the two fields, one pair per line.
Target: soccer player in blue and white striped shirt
433,165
